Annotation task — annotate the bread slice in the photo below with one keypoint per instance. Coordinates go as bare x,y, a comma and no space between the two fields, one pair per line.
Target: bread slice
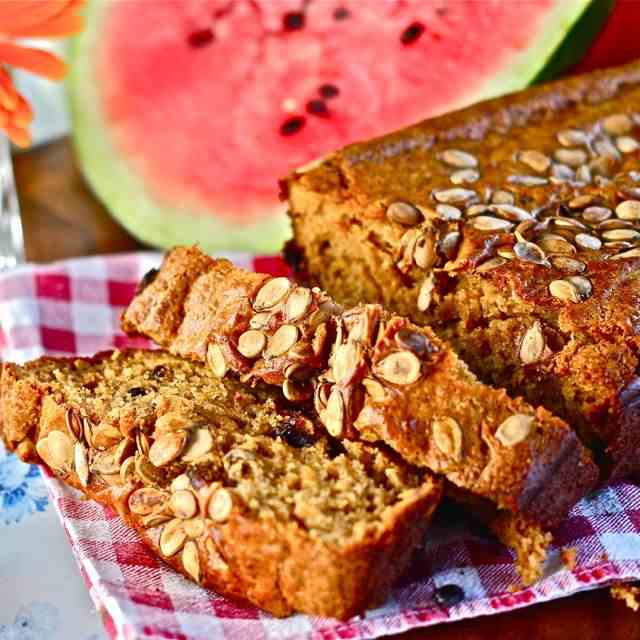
374,377
232,489
513,229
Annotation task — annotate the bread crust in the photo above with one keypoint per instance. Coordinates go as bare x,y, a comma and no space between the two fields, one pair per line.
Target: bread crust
445,420
279,566
347,241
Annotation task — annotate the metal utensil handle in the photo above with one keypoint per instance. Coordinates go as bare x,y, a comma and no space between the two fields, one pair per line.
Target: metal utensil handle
11,238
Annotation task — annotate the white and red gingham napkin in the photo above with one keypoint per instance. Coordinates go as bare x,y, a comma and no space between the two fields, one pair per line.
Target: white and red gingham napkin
73,307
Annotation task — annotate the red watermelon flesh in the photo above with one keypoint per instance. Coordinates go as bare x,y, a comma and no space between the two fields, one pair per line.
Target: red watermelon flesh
208,102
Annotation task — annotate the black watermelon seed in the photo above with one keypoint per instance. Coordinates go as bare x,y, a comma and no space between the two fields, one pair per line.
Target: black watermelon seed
292,125
448,595
134,392
317,107
328,91
159,372
341,13
293,21
296,438
200,38
412,33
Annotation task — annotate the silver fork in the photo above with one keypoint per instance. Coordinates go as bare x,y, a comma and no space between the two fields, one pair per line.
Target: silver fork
11,238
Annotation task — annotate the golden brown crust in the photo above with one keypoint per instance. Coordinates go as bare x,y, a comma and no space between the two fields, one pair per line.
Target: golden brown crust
380,378
272,562
545,227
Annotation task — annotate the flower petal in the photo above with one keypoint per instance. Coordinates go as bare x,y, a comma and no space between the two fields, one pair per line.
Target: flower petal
41,62
16,15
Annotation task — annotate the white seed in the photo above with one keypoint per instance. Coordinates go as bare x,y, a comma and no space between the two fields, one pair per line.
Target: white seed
81,463
447,436
489,265
631,253
564,290
220,505
346,362
144,501
589,242
297,304
448,212
424,253
571,157
596,214
271,293
568,265
582,201
572,137
260,320
401,368
180,482
464,176
191,560
334,414
527,181
583,174
530,252
216,361
621,234
533,344
514,429
281,341
502,197
167,448
200,443
374,389
426,292
629,210
604,147
251,343
562,172
61,451
404,213
455,196
552,243
489,223
172,538
183,504
627,144
617,124
510,212
458,159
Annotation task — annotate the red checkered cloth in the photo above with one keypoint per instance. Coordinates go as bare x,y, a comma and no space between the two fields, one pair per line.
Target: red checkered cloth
73,307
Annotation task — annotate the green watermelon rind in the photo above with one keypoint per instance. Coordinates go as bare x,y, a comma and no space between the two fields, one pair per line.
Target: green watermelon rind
128,198
124,191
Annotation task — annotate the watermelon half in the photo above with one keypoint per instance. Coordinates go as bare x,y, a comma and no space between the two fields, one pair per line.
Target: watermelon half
186,112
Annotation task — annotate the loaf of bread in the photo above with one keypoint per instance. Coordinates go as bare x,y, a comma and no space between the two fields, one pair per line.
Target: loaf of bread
232,489
511,227
375,377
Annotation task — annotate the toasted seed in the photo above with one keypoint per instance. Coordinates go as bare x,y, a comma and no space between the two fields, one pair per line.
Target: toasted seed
458,159
489,265
142,441
571,157
628,210
449,244
281,341
532,344
172,538
562,172
61,450
426,292
527,181
596,214
456,195
616,247
334,414
525,230
374,389
621,234
296,392
346,361
514,429
617,124
74,423
144,501
569,265
476,210
146,471
105,462
572,137
615,223
87,428
502,197
183,504
552,243
580,202
530,252
601,166
251,343
583,286
630,193
220,505
448,212
424,253
587,241
105,435
200,443
404,213
215,359
627,144
297,304
465,176
583,174
510,212
572,289
167,448
180,482
191,560
271,293
634,175
214,559
128,469
154,519
400,367
534,160
194,528
260,320
122,451
447,436
81,464
489,223
506,252
567,223
631,253
168,423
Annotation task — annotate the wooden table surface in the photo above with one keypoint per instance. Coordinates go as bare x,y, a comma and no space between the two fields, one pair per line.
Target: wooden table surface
62,218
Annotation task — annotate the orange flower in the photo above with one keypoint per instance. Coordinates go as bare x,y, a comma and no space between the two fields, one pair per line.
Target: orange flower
30,19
